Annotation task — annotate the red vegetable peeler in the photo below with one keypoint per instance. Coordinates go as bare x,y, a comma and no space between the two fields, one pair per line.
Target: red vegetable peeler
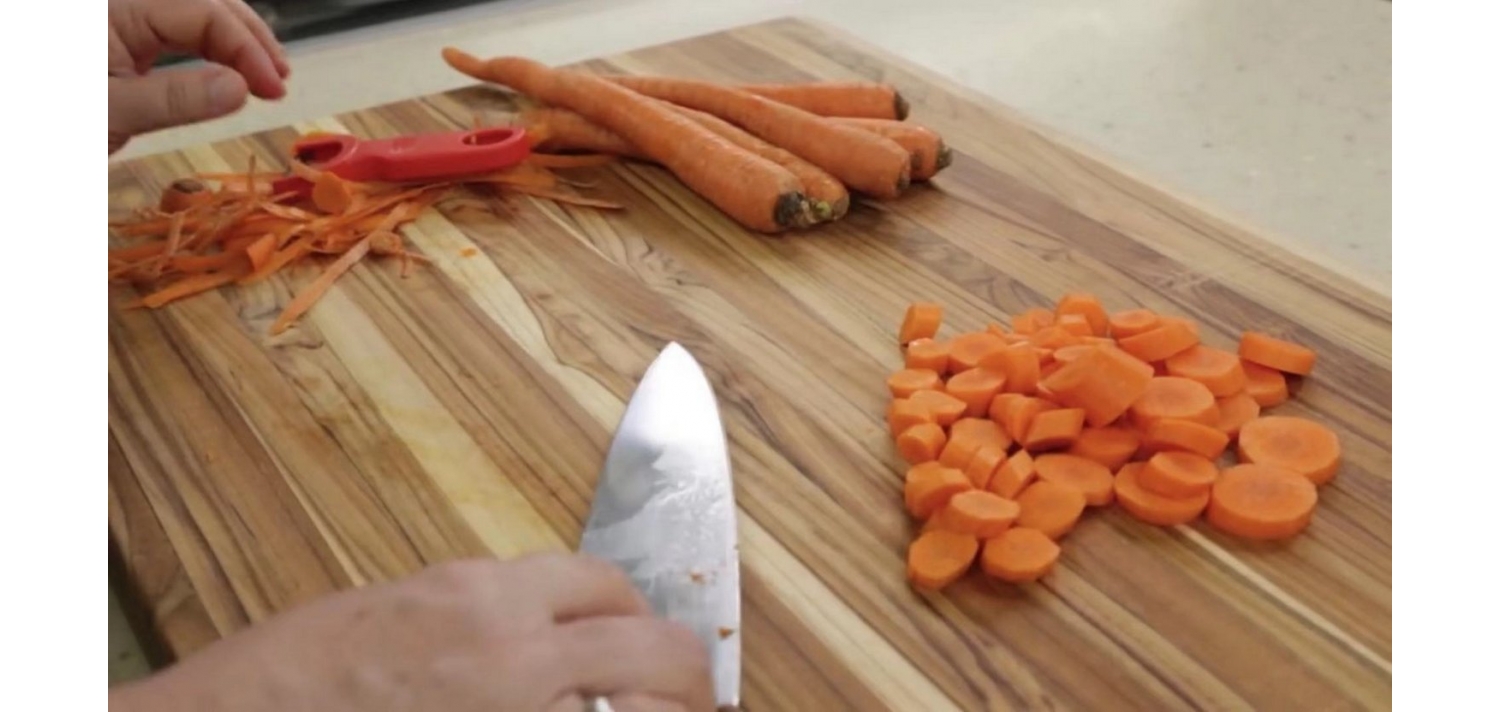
423,157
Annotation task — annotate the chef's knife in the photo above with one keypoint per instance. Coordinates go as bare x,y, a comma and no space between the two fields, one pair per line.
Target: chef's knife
664,510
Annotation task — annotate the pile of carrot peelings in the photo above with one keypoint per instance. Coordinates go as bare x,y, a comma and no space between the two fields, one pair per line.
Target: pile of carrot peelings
214,230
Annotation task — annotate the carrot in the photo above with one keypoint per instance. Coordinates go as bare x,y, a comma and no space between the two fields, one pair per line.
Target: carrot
1235,411
754,191
1172,397
1075,324
938,558
1271,352
945,409
1088,477
929,486
1303,446
921,443
1259,501
829,198
1219,370
1053,429
1019,555
1133,321
332,194
1266,385
568,130
866,162
190,285
1172,337
1111,447
1031,320
1021,364
1013,476
1167,434
1069,354
1153,508
922,321
1018,414
983,464
959,452
1103,382
965,351
928,152
927,354
983,514
1054,337
310,294
976,387
942,520
1179,474
985,432
904,414
845,99
1087,306
1050,508
260,250
905,382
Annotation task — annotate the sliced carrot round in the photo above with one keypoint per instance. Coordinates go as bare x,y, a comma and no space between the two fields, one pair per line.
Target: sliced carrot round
1127,323
1111,446
1279,354
1021,364
1019,555
983,464
976,387
1087,306
905,382
1262,502
921,443
922,321
1153,508
1173,397
983,514
1014,475
929,486
1175,434
1235,411
1297,444
1266,385
1219,370
938,558
965,351
1088,477
904,414
1050,508
1053,429
945,409
927,354
1178,474
1032,321
1172,337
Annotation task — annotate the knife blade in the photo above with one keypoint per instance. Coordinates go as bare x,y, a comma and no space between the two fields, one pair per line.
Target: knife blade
664,510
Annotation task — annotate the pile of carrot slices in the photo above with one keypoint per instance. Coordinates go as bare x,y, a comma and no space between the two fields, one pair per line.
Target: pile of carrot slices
774,157
1010,436
214,230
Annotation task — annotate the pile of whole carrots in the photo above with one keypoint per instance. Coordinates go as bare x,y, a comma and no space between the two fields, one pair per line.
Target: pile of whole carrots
772,157
1012,435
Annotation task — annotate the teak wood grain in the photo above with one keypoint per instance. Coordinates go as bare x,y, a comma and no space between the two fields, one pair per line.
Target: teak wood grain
465,411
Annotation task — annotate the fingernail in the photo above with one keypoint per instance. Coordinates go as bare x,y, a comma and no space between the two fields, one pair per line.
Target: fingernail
224,92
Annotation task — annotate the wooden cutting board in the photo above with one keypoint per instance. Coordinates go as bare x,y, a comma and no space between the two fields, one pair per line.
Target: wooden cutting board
465,411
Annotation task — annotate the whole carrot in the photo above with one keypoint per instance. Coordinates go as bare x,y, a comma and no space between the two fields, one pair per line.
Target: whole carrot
929,153
852,99
754,191
866,162
567,130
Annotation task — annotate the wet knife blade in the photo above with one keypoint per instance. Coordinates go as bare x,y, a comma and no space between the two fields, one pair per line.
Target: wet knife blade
664,510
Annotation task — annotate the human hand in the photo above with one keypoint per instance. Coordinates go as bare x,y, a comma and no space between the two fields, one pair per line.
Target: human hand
538,634
244,58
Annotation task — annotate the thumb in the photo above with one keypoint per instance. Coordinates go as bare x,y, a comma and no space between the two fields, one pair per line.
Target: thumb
167,98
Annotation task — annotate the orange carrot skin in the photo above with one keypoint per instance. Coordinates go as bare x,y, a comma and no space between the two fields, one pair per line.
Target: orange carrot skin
1271,352
1266,385
929,154
568,130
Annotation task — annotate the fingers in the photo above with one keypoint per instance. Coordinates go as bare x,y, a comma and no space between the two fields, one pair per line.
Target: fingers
168,98
637,656
263,34
580,586
217,33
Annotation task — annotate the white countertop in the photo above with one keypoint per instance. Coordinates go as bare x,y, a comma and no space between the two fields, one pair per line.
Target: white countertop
1276,111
